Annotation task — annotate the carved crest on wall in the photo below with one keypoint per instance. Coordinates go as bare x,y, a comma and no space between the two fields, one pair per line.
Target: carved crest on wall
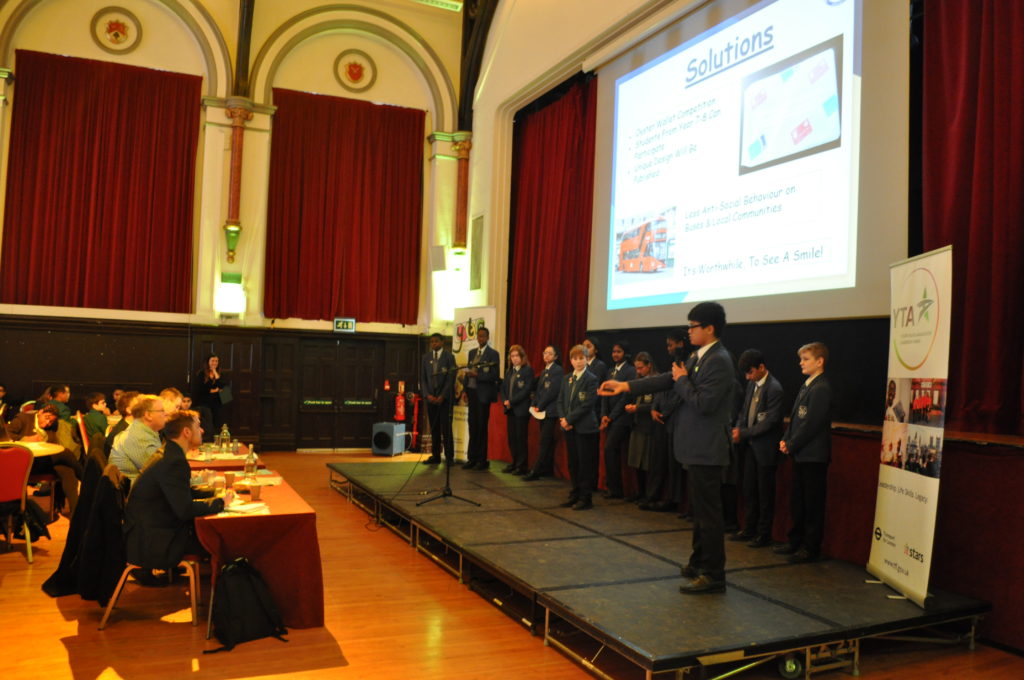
116,30
355,70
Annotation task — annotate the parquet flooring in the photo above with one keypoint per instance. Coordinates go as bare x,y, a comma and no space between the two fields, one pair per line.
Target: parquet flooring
390,613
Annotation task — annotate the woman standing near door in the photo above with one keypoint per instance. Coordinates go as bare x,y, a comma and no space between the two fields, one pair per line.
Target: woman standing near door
206,394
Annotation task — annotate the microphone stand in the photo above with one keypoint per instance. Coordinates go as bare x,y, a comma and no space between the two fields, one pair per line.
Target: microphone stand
446,490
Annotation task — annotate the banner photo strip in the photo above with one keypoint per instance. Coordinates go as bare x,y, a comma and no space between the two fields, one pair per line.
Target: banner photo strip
467,320
912,430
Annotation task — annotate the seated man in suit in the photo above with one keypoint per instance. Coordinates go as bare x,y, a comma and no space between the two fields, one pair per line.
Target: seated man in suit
133,448
158,519
41,426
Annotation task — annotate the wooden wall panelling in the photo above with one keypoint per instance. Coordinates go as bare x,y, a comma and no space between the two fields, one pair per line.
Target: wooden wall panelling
278,399
90,355
239,362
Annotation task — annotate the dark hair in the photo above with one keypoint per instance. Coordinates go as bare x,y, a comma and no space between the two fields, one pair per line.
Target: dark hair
677,335
624,344
124,401
437,335
558,355
178,422
94,398
485,330
751,358
206,361
709,314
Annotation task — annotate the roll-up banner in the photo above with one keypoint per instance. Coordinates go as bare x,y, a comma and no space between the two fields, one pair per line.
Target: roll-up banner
912,429
467,321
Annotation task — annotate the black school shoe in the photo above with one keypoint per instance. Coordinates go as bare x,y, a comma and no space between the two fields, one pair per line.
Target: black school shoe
702,585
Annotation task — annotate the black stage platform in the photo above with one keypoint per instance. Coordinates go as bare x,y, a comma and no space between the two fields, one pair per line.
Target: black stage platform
602,584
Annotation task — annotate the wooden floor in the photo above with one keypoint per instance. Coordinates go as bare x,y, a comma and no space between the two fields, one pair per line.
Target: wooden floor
390,613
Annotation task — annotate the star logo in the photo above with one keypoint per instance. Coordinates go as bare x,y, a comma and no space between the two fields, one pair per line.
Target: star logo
924,305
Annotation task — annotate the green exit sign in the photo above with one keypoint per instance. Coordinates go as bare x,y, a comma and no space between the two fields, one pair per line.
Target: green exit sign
344,325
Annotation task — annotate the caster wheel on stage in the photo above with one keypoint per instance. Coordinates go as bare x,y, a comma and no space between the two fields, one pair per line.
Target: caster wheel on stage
791,666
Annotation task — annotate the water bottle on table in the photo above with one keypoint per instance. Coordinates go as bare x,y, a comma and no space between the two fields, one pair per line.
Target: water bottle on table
251,463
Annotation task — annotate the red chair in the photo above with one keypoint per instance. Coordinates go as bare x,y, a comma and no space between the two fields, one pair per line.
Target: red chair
83,432
15,463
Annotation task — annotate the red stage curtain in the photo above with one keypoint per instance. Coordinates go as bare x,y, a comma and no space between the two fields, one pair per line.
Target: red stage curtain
552,197
344,209
973,195
100,185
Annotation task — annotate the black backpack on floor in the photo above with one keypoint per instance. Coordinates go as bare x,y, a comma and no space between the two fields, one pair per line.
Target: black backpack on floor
243,608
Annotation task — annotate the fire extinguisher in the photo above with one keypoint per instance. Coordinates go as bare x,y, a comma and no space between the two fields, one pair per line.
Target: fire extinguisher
400,407
415,398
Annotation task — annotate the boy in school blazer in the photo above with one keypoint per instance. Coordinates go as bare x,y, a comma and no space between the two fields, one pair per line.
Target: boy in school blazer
577,412
701,438
808,441
756,432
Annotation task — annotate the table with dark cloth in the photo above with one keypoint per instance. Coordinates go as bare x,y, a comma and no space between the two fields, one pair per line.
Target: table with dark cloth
283,546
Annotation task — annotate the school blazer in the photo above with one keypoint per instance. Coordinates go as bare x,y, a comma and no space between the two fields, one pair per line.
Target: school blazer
809,435
764,435
438,380
615,407
578,403
516,389
701,424
487,375
547,389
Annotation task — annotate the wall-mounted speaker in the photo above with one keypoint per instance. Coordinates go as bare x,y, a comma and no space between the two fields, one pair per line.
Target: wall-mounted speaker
388,439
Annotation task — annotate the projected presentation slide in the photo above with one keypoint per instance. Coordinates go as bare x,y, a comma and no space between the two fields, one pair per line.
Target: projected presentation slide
735,161
792,109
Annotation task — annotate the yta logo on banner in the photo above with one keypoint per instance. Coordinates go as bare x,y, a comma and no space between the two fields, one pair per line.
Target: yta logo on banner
916,318
912,427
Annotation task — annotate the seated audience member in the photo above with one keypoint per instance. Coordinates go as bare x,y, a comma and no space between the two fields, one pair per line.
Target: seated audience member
96,414
158,519
59,396
133,448
172,398
41,426
123,405
7,409
67,428
186,402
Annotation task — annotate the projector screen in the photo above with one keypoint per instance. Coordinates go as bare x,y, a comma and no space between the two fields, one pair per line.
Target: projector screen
753,153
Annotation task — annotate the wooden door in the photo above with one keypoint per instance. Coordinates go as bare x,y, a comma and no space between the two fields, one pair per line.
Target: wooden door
338,392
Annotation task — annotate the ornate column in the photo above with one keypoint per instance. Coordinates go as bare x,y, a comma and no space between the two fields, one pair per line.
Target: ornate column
462,143
239,110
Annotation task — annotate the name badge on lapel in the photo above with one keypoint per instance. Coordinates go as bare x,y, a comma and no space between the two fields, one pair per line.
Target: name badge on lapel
582,396
762,415
801,411
547,384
